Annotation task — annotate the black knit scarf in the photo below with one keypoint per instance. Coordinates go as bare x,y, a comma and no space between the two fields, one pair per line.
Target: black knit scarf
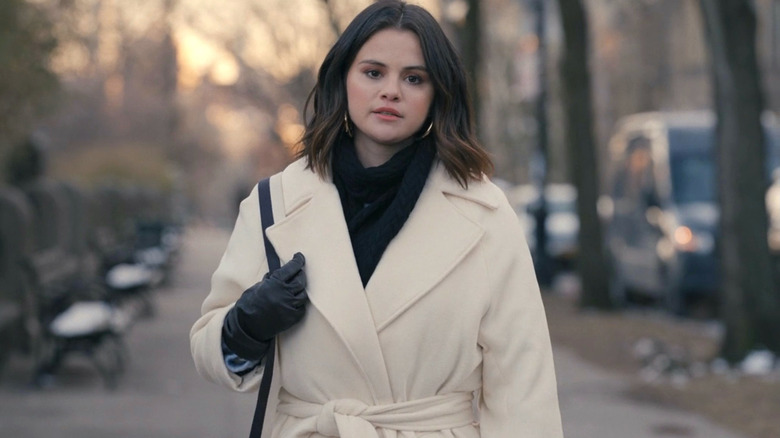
378,200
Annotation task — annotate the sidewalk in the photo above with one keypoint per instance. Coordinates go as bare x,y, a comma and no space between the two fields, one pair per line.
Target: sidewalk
593,404
162,396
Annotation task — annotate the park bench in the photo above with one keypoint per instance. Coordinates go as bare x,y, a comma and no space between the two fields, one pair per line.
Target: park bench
17,315
74,312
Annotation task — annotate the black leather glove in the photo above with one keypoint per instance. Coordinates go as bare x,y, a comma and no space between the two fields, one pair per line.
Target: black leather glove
269,307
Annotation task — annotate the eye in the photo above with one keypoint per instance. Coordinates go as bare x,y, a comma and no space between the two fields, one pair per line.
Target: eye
415,79
373,74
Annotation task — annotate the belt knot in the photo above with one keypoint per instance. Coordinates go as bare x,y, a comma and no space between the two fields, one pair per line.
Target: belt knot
340,411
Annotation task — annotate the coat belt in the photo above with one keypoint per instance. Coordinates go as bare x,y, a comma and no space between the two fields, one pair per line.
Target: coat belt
348,418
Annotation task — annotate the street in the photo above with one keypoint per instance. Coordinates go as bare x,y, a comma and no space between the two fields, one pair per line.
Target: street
161,395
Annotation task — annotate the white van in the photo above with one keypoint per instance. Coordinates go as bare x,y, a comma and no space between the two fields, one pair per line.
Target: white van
662,223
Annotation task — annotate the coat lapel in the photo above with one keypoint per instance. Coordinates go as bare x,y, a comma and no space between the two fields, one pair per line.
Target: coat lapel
434,239
314,225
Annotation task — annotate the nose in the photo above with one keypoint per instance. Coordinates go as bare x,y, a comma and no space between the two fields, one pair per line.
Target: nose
391,91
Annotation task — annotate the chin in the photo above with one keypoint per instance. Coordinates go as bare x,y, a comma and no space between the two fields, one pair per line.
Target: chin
393,140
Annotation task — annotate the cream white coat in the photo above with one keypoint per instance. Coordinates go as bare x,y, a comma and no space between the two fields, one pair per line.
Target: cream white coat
452,309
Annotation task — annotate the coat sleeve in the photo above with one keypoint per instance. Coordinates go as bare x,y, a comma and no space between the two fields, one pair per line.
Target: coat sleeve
519,390
242,265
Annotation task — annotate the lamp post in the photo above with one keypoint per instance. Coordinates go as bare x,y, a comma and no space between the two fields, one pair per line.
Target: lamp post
539,159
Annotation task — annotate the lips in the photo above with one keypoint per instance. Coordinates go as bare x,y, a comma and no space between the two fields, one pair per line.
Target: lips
385,111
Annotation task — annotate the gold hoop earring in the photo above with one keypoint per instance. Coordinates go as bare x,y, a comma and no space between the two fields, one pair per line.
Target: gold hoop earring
427,131
347,129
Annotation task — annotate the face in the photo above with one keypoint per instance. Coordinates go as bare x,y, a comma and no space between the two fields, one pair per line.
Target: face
389,94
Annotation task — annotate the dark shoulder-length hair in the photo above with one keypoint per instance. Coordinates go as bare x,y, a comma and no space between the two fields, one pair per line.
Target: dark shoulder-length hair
451,111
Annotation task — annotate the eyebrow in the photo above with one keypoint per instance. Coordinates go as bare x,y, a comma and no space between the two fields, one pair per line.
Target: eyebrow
382,64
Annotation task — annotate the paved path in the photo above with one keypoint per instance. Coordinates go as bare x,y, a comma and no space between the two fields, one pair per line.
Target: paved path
162,396
594,404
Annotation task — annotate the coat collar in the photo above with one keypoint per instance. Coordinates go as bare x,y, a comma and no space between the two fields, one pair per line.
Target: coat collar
434,239
300,185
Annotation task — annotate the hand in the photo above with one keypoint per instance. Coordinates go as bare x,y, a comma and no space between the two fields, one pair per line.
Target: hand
276,303
269,307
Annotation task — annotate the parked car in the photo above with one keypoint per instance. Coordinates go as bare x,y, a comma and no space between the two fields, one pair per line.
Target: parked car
561,222
661,226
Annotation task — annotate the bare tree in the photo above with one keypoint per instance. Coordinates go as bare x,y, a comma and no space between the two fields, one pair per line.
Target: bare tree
332,18
467,37
750,303
581,146
471,48
26,83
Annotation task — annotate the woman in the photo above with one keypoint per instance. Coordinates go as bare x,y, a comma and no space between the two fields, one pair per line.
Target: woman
417,292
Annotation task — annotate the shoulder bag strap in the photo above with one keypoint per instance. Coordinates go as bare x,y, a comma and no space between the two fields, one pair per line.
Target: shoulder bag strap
267,219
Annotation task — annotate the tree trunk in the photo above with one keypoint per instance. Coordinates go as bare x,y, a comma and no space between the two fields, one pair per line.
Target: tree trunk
591,264
332,19
471,41
750,305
